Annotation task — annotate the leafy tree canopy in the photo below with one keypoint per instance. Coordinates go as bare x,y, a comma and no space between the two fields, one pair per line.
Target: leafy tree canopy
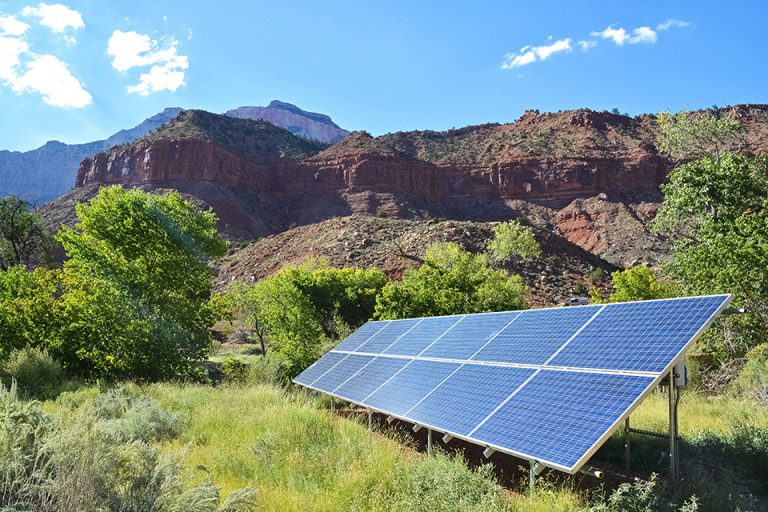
137,284
716,212
512,239
639,283
300,308
23,239
451,281
686,136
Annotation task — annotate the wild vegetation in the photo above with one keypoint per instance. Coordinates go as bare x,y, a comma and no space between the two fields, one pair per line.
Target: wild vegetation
117,343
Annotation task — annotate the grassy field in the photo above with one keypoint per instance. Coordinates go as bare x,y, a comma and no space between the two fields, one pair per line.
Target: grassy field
300,457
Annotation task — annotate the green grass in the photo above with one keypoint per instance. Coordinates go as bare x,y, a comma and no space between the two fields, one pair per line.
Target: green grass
300,457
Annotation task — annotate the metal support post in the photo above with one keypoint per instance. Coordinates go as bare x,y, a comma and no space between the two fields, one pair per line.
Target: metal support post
429,441
626,443
370,420
672,429
333,405
531,481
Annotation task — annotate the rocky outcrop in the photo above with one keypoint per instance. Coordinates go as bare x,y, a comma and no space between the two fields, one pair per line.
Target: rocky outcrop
592,177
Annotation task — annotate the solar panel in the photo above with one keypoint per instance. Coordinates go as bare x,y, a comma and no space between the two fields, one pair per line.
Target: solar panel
548,385
469,335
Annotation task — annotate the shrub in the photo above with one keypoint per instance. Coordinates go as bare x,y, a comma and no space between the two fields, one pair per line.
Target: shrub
235,370
37,374
753,378
102,460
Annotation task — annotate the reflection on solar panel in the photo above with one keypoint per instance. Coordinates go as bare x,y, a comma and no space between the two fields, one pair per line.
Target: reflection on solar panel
547,385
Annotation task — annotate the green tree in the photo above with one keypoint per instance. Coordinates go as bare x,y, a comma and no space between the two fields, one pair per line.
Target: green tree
512,239
451,281
686,136
639,283
137,285
716,212
301,307
23,239
29,309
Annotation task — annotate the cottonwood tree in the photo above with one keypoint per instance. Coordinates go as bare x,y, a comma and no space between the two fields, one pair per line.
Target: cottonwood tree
451,281
137,285
23,239
715,211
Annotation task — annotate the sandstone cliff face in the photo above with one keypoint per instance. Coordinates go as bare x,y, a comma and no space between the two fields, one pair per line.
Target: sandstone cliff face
592,177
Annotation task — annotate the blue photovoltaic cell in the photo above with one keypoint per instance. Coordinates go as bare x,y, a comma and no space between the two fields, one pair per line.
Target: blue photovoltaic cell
535,335
360,336
468,396
639,336
469,335
319,367
369,378
341,372
558,416
419,338
385,337
408,386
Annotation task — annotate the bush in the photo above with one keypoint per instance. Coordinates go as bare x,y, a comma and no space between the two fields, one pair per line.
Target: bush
235,370
37,374
753,378
641,496
102,460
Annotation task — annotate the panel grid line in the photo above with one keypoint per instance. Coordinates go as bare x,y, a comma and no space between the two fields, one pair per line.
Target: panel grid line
379,355
521,386
411,361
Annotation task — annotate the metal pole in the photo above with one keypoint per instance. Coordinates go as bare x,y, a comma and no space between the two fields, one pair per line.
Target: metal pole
333,405
626,443
429,441
531,481
672,429
370,420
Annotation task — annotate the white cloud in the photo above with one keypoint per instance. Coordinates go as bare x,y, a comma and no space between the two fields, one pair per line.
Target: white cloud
530,54
11,50
620,36
673,23
11,26
57,17
585,46
23,70
133,50
49,76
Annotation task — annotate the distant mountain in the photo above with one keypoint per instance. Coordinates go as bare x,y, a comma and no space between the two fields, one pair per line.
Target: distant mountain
305,124
48,172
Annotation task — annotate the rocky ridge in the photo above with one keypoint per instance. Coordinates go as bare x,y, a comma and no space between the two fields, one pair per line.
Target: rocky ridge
562,271
592,177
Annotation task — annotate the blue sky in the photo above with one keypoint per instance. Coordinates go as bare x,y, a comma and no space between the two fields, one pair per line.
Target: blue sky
80,70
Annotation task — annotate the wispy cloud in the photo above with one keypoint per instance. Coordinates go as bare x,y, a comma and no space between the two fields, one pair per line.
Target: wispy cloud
133,50
57,17
24,71
620,36
530,54
673,23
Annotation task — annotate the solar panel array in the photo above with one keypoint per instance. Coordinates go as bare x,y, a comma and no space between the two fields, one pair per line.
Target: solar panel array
548,385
